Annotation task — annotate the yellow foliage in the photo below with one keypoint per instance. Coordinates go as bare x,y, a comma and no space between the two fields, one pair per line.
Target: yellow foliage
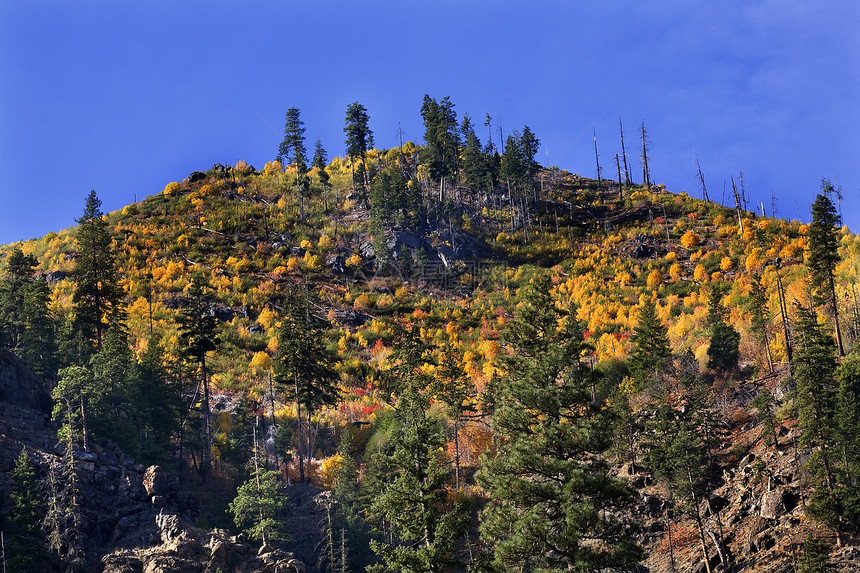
690,240
354,261
266,318
313,262
623,278
325,243
273,345
726,264
754,260
171,188
328,470
292,264
655,279
362,302
261,362
700,274
675,272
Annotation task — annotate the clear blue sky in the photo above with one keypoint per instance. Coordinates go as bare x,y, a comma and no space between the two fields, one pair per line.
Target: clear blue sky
124,97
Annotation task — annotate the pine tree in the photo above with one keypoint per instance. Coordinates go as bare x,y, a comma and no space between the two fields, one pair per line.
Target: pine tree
474,164
63,521
848,420
549,482
303,368
359,139
678,454
198,337
71,407
723,351
765,407
98,296
293,152
24,539
651,351
814,370
258,502
320,161
441,134
423,527
822,255
26,325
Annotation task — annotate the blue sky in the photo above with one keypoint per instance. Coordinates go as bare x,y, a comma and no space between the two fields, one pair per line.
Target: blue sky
124,97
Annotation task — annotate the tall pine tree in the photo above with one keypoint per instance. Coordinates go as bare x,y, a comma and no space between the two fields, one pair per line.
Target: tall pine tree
98,295
553,505
822,255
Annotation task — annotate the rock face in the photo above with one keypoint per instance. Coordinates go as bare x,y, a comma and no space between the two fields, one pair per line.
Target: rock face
135,518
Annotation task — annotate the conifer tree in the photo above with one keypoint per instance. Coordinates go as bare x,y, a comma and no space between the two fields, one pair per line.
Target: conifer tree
198,337
848,421
303,368
474,164
441,134
359,139
423,528
814,370
258,502
26,325
292,150
63,522
98,295
71,404
320,161
651,351
822,255
765,407
24,539
553,505
723,350
678,455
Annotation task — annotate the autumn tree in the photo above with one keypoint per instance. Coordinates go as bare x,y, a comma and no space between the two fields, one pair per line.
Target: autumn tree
553,505
759,317
822,255
98,295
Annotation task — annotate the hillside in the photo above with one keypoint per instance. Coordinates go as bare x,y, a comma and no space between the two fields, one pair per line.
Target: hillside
408,284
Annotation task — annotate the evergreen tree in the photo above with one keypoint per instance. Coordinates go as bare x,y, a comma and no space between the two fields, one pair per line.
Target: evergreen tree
822,255
553,505
474,163
320,161
441,134
651,351
198,337
63,521
293,152
98,295
24,540
678,454
725,340
765,407
359,139
304,368
258,502
423,529
848,420
814,370
26,325
115,396
71,407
